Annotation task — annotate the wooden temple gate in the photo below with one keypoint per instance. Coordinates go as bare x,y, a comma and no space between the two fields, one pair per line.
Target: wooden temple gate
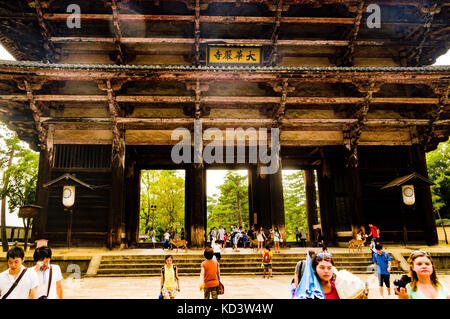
357,105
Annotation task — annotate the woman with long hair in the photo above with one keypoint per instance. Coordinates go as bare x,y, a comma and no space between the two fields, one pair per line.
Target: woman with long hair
323,266
276,239
424,282
261,237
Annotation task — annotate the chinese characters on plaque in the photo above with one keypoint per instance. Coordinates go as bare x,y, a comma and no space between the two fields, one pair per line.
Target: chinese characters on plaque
217,54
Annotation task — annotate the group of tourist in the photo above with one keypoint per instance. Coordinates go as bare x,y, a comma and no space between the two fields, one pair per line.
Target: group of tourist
255,238
42,281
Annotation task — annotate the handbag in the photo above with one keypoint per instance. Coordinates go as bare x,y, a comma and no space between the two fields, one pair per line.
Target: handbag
220,288
49,284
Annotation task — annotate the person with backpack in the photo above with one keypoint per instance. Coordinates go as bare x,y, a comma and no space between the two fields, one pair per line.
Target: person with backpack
170,283
49,275
267,262
299,268
382,264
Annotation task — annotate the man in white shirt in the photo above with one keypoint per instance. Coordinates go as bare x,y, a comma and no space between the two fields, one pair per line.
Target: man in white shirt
26,288
49,288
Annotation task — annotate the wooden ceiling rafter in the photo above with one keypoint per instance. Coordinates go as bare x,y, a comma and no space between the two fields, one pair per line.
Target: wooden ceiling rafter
415,54
435,115
347,58
51,52
353,131
197,33
36,112
275,33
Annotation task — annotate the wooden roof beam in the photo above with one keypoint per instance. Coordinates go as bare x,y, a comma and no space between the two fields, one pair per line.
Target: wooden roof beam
222,19
305,42
222,99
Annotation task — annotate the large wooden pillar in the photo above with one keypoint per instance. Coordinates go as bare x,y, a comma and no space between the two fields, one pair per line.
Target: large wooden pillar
132,203
116,208
277,201
195,219
327,200
356,211
311,198
266,200
423,195
42,193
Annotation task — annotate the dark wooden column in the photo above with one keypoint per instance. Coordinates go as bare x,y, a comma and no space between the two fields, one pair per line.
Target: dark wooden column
42,193
277,201
356,212
195,220
311,198
132,203
116,209
423,195
266,200
326,199
251,210
260,197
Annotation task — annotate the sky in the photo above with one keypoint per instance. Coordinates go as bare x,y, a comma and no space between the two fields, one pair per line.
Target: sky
214,177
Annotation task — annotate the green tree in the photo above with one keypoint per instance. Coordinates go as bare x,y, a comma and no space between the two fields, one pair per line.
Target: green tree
438,162
230,206
294,203
165,189
10,149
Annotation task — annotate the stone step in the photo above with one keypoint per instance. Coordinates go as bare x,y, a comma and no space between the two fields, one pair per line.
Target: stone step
225,260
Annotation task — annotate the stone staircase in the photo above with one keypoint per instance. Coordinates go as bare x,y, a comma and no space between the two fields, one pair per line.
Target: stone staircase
234,264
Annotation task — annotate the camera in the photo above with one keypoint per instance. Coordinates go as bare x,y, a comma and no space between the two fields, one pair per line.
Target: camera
402,282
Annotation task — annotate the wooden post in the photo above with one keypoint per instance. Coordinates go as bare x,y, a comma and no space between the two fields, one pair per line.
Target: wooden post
327,200
277,201
311,198
42,193
356,212
117,190
69,228
196,206
132,203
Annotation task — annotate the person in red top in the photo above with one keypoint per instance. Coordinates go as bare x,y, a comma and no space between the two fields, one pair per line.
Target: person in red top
375,233
210,274
322,264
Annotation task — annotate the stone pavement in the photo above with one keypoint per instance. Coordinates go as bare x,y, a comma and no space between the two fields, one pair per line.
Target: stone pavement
277,287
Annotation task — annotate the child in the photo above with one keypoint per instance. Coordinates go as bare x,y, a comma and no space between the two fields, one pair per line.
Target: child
217,248
244,239
267,261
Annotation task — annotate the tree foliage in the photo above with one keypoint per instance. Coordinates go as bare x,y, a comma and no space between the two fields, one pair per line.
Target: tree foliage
23,177
165,189
438,162
230,206
294,203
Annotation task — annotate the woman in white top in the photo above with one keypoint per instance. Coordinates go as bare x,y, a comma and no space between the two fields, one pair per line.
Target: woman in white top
276,239
261,237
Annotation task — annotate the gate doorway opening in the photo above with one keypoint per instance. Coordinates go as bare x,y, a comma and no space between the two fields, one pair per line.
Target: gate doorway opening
301,204
227,200
162,204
